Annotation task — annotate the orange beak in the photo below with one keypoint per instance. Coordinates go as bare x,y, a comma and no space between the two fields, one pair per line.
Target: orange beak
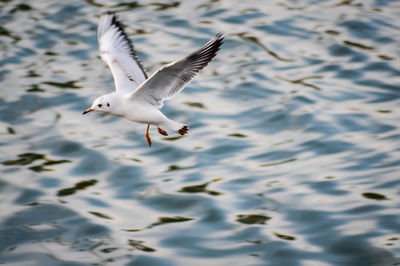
88,111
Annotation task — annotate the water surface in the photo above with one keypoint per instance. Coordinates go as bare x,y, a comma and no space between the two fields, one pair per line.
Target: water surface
292,156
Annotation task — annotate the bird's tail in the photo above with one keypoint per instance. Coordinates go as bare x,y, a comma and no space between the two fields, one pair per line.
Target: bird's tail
179,128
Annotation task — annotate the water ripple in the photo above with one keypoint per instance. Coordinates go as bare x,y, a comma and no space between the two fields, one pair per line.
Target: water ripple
291,158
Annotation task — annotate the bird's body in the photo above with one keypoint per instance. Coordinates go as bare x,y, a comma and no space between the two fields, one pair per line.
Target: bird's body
138,97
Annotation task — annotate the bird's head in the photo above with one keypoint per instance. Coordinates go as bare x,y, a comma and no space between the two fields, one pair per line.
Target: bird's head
101,104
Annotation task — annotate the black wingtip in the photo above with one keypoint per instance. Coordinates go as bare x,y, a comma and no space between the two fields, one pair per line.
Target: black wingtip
220,35
117,23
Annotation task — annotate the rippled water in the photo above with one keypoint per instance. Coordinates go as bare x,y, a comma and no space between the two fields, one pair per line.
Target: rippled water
292,157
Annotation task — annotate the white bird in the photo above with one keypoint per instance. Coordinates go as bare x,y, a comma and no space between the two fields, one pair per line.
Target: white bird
137,97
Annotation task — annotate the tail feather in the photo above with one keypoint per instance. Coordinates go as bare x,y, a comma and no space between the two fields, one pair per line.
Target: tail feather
183,130
179,128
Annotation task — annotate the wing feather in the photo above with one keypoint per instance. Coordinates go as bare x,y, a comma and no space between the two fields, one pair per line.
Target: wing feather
172,78
119,54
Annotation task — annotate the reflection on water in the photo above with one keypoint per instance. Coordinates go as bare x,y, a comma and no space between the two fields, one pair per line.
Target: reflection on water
292,157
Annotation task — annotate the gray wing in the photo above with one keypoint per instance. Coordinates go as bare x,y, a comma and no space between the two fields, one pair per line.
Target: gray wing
172,78
118,52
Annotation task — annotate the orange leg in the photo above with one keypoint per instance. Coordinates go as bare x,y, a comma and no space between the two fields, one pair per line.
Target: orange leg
162,132
148,136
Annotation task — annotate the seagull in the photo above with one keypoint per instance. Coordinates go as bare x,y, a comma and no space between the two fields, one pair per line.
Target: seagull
137,97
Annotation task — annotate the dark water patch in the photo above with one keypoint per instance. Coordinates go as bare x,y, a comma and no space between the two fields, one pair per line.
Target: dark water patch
333,68
373,161
389,222
169,154
81,54
249,91
279,163
64,14
285,237
224,147
301,100
384,111
139,245
78,186
353,250
50,53
94,163
108,250
243,17
63,85
35,88
252,218
274,121
142,260
327,187
388,184
378,97
101,215
364,209
332,32
17,58
340,50
21,8
195,105
174,203
353,122
13,112
39,168
28,196
32,74
169,220
97,202
175,167
9,34
286,27
386,57
326,146
360,29
121,6
351,74
202,188
172,138
42,167
11,130
215,12
382,67
292,6
358,45
178,23
49,182
282,156
314,223
301,81
53,162
344,3
252,39
374,196
20,227
237,135
127,181
63,147
24,159
165,6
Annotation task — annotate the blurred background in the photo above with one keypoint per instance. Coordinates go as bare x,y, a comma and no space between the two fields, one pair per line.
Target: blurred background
293,153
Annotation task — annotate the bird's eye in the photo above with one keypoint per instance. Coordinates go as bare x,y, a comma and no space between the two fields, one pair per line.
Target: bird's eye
108,104
100,105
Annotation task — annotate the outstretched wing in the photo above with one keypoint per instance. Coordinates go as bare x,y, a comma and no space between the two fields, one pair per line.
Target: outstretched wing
172,78
118,52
